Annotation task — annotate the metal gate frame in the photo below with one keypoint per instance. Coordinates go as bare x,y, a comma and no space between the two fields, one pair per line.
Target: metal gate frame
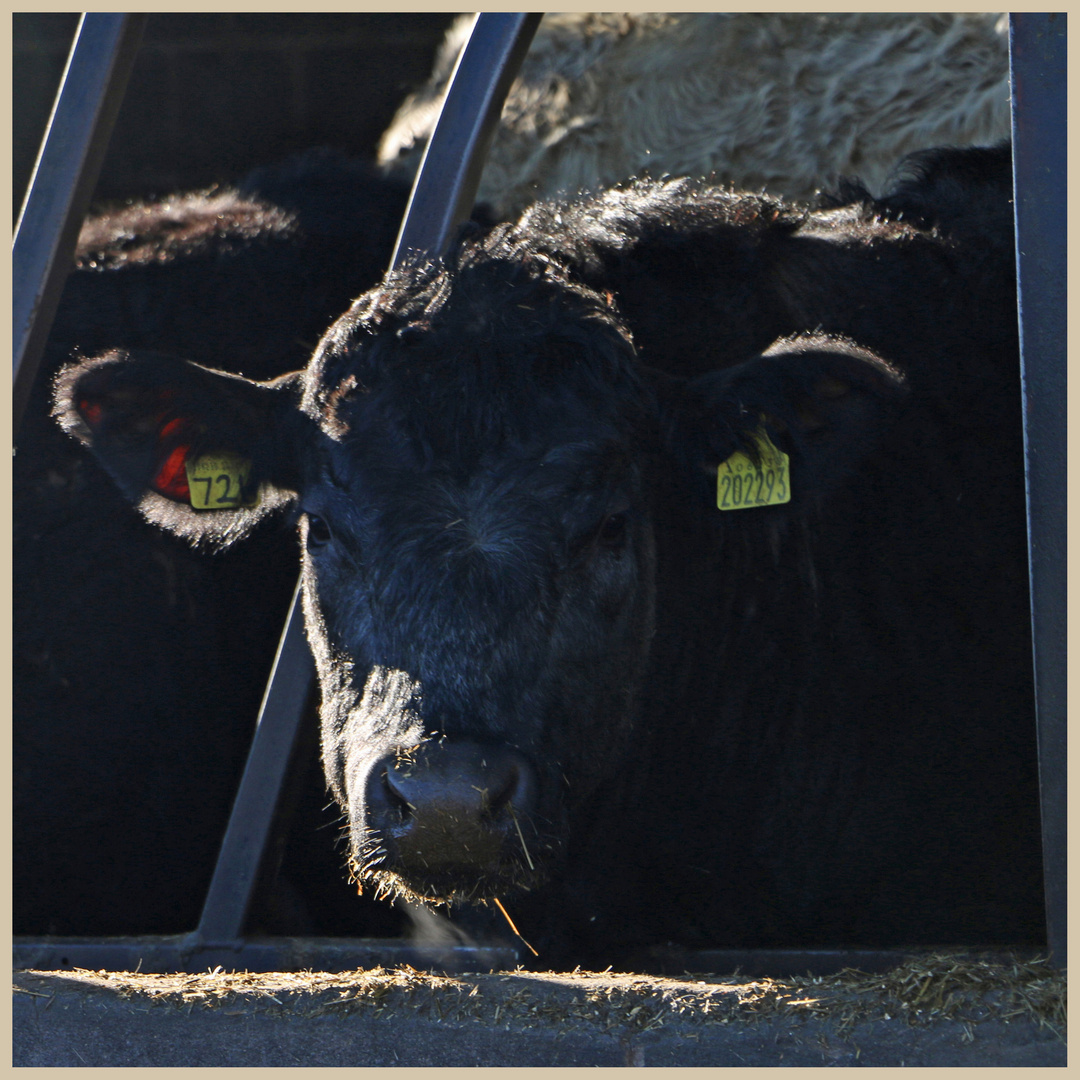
1037,52
91,89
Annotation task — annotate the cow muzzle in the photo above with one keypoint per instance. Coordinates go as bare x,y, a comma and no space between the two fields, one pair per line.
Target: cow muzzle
454,820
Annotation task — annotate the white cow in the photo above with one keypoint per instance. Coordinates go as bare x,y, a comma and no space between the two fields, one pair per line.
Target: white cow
782,102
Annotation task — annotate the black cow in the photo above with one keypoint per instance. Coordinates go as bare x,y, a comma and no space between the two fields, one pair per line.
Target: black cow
556,671
138,663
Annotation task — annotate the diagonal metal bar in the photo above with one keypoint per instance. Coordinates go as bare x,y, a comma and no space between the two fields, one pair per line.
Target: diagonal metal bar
445,187
1038,61
91,89
441,200
247,836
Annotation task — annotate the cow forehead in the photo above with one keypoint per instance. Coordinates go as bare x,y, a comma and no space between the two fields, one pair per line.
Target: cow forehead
563,464
453,422
487,338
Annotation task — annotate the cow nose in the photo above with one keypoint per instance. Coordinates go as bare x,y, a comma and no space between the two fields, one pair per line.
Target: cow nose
452,803
459,779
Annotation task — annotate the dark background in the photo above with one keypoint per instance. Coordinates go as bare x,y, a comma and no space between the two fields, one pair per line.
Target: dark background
213,95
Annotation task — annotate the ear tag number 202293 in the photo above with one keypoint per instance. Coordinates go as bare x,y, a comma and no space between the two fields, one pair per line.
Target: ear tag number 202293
740,484
220,482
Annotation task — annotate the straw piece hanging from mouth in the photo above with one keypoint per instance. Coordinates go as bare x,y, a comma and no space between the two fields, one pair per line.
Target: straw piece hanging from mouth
498,904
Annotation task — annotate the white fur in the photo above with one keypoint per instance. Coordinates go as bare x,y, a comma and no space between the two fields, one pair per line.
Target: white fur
780,102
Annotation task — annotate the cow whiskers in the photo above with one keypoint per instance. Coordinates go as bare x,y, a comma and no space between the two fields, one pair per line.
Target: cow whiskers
528,859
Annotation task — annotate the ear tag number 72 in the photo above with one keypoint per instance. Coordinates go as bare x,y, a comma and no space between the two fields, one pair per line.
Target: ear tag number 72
740,484
220,482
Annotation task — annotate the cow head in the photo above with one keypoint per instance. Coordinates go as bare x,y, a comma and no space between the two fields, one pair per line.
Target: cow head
475,456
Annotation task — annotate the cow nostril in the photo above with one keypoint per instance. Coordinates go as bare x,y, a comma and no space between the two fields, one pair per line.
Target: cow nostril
396,796
501,798
512,796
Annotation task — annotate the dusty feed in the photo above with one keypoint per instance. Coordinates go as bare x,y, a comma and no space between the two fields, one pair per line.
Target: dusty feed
783,102
958,987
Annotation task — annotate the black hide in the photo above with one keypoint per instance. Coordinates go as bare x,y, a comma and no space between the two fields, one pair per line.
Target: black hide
555,674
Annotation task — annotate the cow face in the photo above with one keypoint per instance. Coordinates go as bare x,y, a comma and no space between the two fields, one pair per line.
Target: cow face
478,572
476,457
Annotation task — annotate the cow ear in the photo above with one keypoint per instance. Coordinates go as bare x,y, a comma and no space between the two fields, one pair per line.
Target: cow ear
202,453
821,401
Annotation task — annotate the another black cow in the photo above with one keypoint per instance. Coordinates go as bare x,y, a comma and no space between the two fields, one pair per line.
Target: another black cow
554,672
139,664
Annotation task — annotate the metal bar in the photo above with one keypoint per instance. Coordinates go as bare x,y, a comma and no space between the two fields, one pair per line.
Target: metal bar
1038,62
240,859
91,89
176,953
445,188
441,199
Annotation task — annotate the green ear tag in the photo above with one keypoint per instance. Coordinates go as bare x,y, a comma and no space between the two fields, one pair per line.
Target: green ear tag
740,484
219,482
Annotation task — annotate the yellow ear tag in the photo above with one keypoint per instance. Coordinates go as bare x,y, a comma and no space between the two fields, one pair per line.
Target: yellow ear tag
740,484
219,482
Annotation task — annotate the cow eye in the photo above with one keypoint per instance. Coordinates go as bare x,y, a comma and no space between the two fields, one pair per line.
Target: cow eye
318,533
612,534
